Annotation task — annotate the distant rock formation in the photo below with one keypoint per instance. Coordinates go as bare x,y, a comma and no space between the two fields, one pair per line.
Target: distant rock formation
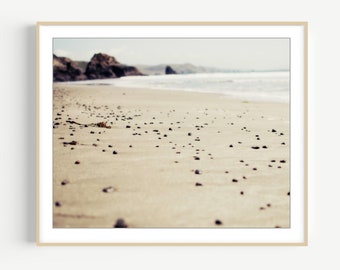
103,66
169,70
64,69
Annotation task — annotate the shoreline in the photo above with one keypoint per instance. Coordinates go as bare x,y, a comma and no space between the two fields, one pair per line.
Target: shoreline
153,174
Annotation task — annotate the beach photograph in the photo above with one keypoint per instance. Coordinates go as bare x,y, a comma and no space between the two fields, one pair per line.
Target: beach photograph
171,133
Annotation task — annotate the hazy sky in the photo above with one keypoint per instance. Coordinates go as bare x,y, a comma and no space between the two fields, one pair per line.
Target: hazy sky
221,53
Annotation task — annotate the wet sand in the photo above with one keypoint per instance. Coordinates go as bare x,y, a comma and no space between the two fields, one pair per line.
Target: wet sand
168,159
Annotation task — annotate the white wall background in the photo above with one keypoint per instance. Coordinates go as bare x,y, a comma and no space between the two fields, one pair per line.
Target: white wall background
17,136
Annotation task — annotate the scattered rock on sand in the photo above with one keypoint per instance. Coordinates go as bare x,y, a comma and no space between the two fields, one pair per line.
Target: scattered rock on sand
198,172
120,223
108,189
57,204
65,182
198,184
218,222
77,162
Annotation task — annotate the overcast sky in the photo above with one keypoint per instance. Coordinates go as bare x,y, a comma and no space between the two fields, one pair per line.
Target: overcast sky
222,53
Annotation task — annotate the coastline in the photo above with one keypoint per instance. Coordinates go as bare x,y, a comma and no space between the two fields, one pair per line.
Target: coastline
158,136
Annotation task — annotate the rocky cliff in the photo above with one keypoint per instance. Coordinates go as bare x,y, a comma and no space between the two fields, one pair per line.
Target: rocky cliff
103,66
64,69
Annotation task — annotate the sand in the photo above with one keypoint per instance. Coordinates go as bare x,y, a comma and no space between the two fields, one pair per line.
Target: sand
171,159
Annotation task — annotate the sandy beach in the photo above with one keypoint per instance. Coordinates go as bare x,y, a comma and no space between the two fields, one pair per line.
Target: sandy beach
168,159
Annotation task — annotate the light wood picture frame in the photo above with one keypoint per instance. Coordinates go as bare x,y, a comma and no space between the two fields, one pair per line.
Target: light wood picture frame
280,209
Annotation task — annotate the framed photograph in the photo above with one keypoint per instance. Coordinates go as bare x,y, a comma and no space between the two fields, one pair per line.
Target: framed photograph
172,133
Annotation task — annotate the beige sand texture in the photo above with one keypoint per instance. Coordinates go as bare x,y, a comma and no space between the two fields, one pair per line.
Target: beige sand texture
161,138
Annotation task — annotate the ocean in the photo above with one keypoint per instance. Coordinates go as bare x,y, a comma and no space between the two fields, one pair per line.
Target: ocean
256,86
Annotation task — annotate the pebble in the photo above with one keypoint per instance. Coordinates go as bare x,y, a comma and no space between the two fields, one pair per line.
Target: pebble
65,182
108,189
114,152
242,193
218,222
231,146
198,172
255,147
264,147
273,130
196,158
77,162
235,180
282,161
57,204
198,184
120,223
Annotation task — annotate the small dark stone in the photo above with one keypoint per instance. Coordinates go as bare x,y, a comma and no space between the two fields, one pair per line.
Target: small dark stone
264,147
103,150
65,182
120,223
241,161
254,169
270,166
77,162
196,158
218,222
283,143
130,146
114,152
262,208
231,146
92,132
57,204
110,146
288,193
198,172
273,160
282,161
72,148
244,177
273,130
226,172
94,144
235,180
108,189
255,147
242,193
198,184
128,126
269,205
